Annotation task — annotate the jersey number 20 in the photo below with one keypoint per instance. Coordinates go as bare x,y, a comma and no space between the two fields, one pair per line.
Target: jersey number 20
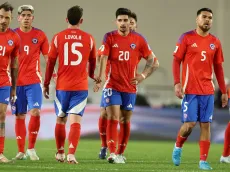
74,51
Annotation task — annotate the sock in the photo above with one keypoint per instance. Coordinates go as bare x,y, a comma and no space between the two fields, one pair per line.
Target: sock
102,124
60,135
20,131
111,133
226,151
180,140
204,149
123,137
2,143
34,126
74,136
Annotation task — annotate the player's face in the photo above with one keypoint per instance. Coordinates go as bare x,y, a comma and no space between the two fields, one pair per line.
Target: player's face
25,19
133,24
204,21
5,19
123,23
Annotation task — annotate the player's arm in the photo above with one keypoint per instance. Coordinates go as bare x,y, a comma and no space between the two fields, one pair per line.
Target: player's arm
45,50
151,65
219,72
14,68
52,57
105,50
92,58
178,56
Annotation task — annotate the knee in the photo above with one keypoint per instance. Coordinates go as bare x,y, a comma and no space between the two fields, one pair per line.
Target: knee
62,120
190,125
35,112
2,116
103,113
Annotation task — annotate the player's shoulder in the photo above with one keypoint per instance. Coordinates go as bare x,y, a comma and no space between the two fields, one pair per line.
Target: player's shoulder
214,38
138,35
13,33
185,35
38,31
111,33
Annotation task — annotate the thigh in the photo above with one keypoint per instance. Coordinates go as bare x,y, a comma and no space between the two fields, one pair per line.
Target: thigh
189,108
206,108
20,106
111,97
128,101
61,103
34,96
77,102
5,95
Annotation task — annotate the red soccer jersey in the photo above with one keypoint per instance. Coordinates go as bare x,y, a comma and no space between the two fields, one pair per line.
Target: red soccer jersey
124,54
74,49
198,54
32,44
9,47
228,92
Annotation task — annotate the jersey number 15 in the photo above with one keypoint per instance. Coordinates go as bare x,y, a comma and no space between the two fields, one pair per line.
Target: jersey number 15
74,51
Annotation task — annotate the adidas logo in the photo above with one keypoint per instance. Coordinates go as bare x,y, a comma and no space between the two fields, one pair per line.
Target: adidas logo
194,45
71,146
61,148
115,46
130,106
111,141
7,99
36,104
103,134
34,132
18,137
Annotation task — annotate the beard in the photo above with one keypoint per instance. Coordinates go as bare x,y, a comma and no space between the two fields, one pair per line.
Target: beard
3,27
205,28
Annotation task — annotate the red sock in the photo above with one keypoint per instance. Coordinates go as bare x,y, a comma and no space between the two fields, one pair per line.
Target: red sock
226,151
111,133
2,143
34,126
204,149
180,140
60,135
20,131
102,124
123,137
74,136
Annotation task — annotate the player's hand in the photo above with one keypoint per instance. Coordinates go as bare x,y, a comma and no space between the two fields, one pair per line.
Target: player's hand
46,92
96,87
137,80
224,99
13,96
178,90
97,79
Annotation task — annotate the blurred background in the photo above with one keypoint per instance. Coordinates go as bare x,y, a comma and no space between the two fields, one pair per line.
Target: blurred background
157,113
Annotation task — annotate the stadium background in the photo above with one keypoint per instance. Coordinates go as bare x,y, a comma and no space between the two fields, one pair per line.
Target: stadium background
161,22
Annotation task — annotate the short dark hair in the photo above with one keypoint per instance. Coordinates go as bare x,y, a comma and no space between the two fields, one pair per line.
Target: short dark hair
123,11
7,7
133,15
203,9
74,14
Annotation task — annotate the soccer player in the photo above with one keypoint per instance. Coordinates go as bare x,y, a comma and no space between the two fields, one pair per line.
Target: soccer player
225,158
122,48
29,91
200,52
9,47
102,122
74,49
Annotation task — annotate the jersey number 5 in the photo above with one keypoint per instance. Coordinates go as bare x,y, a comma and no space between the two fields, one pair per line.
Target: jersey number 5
74,51
203,54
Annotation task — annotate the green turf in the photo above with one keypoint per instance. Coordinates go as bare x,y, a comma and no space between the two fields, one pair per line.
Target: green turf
141,156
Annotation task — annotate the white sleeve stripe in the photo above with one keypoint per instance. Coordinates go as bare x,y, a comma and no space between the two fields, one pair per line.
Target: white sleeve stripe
91,43
55,41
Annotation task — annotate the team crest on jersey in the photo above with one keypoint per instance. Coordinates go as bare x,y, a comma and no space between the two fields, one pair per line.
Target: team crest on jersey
35,41
10,42
212,46
133,46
